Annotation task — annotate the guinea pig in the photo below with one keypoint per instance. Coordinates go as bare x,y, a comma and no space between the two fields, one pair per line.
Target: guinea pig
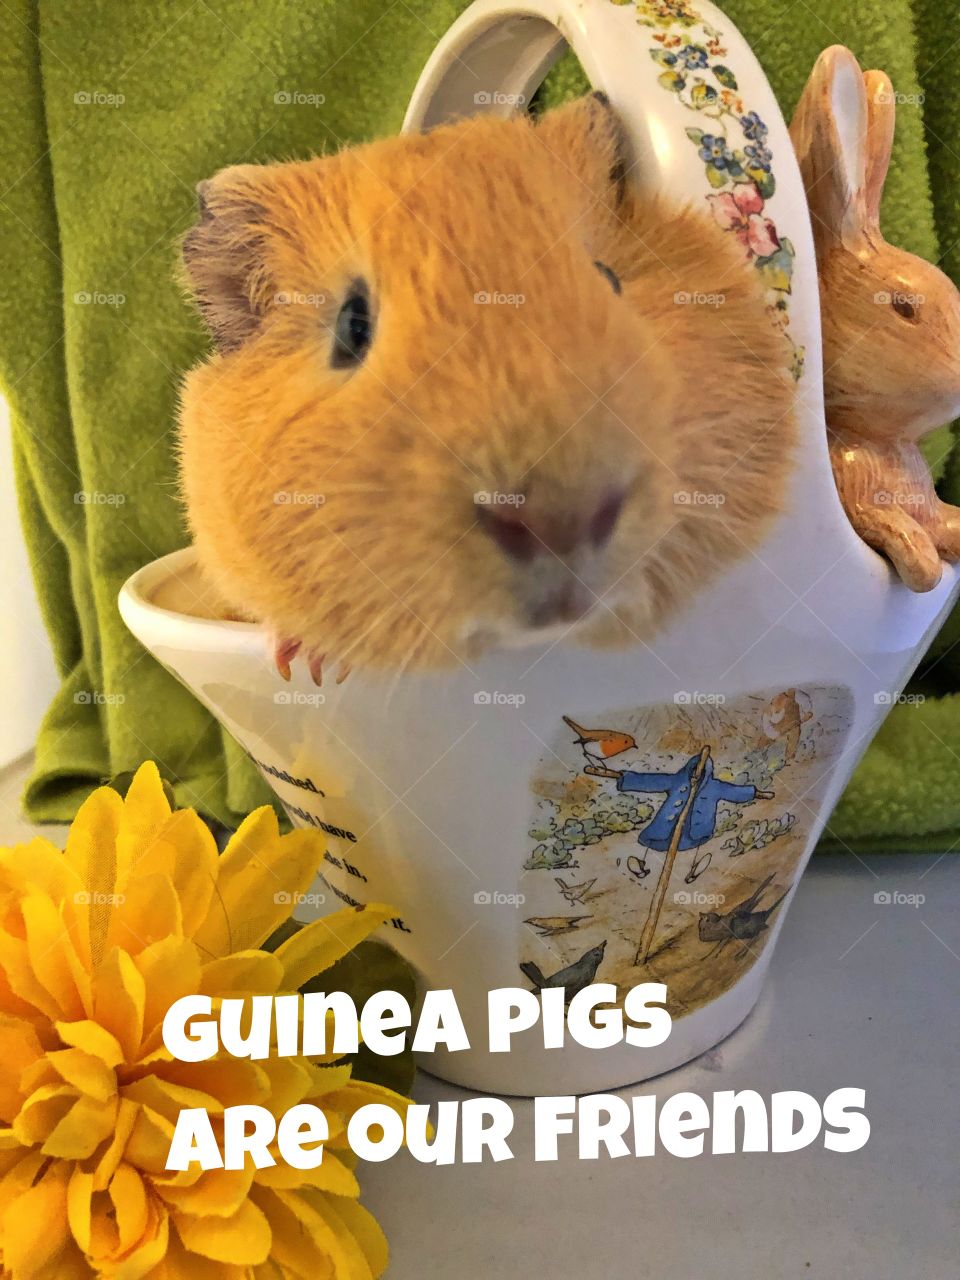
463,395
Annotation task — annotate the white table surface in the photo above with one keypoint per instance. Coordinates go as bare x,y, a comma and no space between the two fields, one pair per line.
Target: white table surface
860,994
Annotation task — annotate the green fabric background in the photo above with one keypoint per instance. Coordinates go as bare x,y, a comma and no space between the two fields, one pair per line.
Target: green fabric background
93,196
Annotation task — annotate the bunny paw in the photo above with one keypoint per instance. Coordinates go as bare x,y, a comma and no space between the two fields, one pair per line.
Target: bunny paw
946,532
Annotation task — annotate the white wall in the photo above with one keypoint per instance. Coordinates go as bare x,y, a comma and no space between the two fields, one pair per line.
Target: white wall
27,676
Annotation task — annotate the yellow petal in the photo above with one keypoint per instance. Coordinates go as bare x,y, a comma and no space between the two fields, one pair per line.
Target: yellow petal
145,912
21,980
180,1265
322,943
183,850
290,1080
348,1259
20,1049
42,1112
243,1239
79,1195
129,1198
253,972
92,854
143,1260
259,874
232,1081
331,1174
82,1129
363,1227
167,1099
92,1039
295,1249
54,958
145,813
149,1143
88,1074
39,865
217,1193
119,1001
127,1113
34,1226
170,969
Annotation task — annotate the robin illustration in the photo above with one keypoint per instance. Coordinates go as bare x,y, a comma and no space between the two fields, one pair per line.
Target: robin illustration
574,978
599,745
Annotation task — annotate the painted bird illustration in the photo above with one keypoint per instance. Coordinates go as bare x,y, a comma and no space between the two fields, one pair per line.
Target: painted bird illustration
573,978
550,926
575,893
598,745
741,923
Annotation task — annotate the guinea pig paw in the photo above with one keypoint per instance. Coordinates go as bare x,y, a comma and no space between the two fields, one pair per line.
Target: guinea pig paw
284,652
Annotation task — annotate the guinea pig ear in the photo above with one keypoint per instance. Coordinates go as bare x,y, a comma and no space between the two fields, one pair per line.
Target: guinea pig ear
223,255
589,138
829,135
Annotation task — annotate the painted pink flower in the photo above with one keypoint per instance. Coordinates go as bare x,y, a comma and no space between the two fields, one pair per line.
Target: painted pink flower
740,211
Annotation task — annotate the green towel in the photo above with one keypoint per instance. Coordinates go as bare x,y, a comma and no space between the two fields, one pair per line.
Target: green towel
109,115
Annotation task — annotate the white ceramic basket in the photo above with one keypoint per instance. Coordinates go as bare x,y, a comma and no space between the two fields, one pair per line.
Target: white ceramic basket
460,797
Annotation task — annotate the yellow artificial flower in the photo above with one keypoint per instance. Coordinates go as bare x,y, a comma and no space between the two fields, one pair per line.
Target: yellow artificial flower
95,944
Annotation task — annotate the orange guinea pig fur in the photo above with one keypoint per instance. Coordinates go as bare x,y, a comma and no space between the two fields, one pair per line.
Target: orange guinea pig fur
456,401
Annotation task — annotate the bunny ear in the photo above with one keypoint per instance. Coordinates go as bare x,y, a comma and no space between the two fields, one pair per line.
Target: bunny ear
222,255
829,134
881,122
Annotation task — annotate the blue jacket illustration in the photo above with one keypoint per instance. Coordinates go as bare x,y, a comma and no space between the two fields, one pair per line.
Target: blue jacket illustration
701,819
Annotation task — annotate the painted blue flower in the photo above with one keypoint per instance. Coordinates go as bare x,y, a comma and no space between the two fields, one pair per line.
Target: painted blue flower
714,151
753,127
693,56
758,157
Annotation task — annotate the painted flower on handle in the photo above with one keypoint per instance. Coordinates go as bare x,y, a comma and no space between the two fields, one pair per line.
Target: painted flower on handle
738,163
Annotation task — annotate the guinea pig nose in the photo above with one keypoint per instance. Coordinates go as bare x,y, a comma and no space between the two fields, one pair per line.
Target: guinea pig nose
521,532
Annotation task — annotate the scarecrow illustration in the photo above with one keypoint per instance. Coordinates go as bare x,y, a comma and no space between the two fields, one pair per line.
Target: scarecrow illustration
687,817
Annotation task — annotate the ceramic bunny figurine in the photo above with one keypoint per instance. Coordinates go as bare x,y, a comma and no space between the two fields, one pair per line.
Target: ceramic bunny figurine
891,324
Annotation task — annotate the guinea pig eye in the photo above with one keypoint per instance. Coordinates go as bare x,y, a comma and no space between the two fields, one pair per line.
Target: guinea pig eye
611,275
903,306
353,331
